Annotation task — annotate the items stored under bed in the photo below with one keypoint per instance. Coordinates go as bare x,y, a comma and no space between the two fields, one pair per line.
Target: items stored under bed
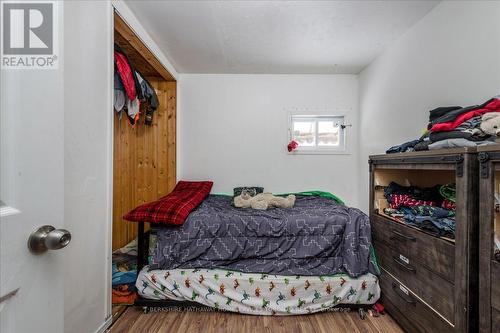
429,269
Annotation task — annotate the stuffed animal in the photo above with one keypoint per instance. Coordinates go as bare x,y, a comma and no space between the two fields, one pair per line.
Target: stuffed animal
263,201
490,123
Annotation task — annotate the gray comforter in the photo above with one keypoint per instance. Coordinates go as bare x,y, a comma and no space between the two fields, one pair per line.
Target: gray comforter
316,237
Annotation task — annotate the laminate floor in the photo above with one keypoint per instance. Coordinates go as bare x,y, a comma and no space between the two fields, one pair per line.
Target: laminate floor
134,320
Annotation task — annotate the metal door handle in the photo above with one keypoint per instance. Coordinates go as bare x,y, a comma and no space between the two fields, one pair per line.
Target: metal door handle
48,238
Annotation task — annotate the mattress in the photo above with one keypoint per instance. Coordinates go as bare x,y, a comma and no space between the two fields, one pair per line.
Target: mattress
316,237
258,294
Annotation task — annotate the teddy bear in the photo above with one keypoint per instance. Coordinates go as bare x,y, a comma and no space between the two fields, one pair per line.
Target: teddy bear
263,201
490,123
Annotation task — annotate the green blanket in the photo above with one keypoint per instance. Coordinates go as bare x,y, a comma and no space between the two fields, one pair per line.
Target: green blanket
315,193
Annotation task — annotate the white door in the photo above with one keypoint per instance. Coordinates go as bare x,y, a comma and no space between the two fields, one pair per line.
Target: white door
54,168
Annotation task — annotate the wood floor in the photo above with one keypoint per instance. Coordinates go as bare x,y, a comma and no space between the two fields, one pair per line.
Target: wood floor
134,320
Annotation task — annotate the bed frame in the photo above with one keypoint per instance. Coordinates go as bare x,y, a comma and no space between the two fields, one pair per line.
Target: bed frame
152,305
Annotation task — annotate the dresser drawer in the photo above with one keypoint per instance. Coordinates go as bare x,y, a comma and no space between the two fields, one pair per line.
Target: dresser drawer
408,310
434,253
431,288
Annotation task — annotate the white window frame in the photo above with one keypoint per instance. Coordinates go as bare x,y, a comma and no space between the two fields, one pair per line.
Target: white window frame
341,149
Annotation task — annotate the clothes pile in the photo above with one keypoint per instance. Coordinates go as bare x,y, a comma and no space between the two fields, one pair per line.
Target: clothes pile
456,126
431,209
131,89
124,274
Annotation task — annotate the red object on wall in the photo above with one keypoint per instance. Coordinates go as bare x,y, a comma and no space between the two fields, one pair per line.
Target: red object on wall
292,145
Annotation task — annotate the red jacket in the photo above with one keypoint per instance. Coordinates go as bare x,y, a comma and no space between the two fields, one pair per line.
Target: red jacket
126,75
492,106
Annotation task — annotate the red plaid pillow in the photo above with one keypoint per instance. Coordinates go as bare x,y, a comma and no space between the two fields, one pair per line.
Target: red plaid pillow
173,208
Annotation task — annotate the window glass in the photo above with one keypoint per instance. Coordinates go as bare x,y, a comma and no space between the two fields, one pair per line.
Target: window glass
328,133
304,132
318,134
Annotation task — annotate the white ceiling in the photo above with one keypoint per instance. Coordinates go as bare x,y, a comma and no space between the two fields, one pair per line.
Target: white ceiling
276,37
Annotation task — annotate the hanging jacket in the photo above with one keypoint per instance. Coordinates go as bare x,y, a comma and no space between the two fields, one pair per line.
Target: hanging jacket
148,92
126,75
132,69
119,93
149,95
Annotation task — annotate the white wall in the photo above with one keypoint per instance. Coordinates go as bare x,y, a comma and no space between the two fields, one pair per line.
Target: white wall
233,130
450,57
88,134
133,22
88,129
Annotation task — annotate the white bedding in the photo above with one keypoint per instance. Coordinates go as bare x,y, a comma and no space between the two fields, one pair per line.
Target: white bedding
258,294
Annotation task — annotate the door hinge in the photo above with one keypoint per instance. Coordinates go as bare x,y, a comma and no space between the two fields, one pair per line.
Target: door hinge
484,164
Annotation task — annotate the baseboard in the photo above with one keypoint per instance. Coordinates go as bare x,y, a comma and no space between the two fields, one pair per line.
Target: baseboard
105,325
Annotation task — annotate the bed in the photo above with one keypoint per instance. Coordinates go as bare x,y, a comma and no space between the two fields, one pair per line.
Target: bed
312,257
259,294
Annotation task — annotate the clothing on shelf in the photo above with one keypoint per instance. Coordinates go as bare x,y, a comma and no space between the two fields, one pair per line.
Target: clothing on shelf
418,193
398,200
402,148
454,143
448,192
422,145
454,118
431,209
452,127
447,204
441,227
439,112
470,130
395,213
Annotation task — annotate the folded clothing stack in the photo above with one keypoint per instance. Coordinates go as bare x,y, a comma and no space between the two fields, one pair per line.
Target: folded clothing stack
431,209
456,126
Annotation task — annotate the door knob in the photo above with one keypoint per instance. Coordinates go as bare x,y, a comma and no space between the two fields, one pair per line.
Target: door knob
48,238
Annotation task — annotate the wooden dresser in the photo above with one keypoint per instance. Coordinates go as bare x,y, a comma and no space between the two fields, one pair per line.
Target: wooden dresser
429,283
489,226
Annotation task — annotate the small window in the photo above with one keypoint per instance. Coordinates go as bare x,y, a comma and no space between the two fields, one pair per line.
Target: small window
318,134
